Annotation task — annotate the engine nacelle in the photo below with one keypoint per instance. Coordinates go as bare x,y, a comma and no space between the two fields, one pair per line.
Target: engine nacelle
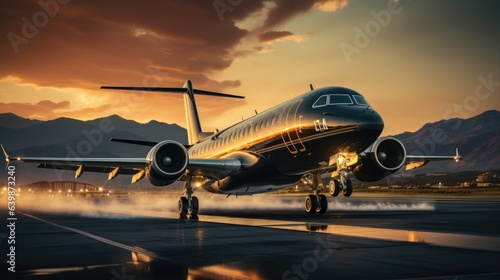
169,159
386,156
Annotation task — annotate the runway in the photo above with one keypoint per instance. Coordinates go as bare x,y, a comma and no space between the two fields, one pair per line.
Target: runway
362,237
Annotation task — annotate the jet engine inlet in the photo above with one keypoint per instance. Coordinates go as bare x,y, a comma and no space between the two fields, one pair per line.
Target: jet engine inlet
386,156
169,160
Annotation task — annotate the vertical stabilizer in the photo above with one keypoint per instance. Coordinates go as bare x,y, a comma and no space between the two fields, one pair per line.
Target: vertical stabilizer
192,119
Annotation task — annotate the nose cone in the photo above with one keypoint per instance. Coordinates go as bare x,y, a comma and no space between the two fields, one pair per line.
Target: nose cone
368,122
371,119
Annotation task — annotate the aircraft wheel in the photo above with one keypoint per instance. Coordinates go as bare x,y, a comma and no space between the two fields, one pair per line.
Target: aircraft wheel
348,188
334,187
311,204
323,204
183,207
195,206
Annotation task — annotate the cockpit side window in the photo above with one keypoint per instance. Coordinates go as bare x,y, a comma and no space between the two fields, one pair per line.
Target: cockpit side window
322,101
360,100
340,99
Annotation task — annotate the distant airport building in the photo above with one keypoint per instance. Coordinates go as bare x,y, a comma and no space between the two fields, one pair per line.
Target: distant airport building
60,187
487,179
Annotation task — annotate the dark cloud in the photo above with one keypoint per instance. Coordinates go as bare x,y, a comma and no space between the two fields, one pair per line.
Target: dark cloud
88,43
270,36
84,44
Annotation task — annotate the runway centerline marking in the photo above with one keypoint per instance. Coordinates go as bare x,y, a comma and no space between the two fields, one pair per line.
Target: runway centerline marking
132,249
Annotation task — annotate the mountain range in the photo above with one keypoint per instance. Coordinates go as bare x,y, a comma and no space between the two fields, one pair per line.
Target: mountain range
478,139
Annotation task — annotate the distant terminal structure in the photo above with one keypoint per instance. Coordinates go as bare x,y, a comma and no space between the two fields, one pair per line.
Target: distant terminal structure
487,179
67,188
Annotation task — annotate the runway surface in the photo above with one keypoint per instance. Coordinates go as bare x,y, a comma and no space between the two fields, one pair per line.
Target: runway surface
261,237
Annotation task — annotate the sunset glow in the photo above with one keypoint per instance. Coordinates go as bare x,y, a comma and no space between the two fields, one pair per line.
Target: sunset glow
414,61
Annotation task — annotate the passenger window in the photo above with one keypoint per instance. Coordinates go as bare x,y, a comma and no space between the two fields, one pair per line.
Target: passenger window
340,99
322,101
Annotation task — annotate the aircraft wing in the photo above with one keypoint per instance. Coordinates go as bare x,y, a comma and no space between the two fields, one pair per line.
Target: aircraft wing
416,161
213,168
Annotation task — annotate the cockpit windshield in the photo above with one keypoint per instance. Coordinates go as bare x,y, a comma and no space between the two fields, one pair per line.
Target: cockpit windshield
360,100
339,99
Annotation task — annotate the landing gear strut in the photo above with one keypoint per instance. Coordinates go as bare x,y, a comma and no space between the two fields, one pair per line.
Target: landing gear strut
188,205
315,203
344,184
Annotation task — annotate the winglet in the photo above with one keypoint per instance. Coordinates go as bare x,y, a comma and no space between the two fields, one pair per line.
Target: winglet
7,157
457,157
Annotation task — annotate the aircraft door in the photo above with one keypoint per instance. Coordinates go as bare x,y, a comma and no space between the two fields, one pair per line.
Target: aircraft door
292,128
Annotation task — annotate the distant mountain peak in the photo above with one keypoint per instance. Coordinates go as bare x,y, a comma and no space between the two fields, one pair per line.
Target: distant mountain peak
476,137
13,121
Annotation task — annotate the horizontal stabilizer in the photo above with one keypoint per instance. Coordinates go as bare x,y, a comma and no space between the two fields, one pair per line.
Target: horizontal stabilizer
134,142
139,142
174,90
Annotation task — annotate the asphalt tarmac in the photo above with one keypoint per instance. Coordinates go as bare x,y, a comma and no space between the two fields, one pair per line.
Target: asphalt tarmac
362,237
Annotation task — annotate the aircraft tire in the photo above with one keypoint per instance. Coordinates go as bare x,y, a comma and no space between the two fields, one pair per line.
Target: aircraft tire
195,206
311,204
183,207
323,204
348,188
334,187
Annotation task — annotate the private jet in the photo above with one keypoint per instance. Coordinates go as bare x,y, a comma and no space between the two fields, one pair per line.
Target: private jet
325,131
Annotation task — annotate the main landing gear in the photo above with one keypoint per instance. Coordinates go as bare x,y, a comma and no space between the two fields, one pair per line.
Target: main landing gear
315,203
188,205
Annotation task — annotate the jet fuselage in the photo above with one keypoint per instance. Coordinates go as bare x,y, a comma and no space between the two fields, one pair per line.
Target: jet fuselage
288,140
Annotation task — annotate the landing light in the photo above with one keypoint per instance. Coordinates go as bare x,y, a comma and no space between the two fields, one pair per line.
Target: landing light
341,159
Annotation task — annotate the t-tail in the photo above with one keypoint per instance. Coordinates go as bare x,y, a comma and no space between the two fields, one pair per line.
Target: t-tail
195,133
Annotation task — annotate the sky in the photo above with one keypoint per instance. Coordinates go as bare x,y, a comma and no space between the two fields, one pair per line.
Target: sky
415,61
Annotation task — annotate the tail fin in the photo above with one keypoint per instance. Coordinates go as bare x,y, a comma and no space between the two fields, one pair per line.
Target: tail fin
195,133
7,157
457,157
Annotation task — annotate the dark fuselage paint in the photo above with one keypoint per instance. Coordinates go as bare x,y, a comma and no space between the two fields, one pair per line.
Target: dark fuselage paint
291,139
